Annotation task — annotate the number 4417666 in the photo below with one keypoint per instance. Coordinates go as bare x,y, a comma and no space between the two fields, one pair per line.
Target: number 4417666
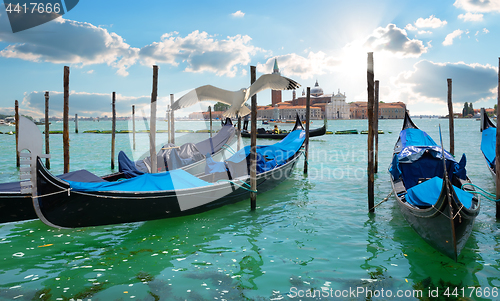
34,8
479,292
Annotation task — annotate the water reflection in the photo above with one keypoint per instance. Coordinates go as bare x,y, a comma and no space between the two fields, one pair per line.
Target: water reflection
430,270
217,251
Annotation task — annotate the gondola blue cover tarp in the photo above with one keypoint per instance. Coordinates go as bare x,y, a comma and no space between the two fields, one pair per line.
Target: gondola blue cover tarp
488,144
268,156
413,163
417,137
170,180
421,158
427,193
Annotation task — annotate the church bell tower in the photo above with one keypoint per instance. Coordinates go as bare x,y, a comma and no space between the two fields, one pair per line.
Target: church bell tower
275,94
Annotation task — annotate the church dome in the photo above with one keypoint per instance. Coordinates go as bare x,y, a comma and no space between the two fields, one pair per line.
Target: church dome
316,90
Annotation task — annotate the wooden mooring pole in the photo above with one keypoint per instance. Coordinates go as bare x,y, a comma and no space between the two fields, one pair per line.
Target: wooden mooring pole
497,152
172,126
76,123
168,124
210,115
16,119
253,145
113,130
152,126
47,129
133,127
66,120
371,99
375,126
450,115
308,112
238,134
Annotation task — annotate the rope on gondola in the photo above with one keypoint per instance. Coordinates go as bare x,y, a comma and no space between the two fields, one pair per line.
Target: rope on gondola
57,192
228,148
489,196
232,182
386,198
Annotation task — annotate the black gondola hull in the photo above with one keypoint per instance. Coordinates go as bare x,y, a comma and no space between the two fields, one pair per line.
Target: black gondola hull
15,207
18,206
60,208
312,133
437,226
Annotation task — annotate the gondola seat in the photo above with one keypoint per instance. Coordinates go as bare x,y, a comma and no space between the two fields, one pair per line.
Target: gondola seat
427,193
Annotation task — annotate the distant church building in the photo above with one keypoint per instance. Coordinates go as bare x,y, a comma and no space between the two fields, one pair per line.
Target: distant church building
275,94
331,106
337,108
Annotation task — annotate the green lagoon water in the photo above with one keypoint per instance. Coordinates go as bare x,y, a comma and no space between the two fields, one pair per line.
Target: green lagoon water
310,235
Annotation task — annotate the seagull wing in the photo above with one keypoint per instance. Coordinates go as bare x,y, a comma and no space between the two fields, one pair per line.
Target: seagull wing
271,81
235,111
203,93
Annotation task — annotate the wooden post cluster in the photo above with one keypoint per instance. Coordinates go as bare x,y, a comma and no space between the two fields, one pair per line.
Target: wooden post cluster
375,125
152,127
371,99
497,152
308,112
47,130
16,118
113,130
450,115
253,145
66,120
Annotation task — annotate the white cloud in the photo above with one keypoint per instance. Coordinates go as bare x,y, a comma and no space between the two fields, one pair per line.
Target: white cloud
394,40
427,82
78,43
482,6
201,52
485,31
471,17
410,27
304,67
81,103
424,32
431,22
449,38
238,14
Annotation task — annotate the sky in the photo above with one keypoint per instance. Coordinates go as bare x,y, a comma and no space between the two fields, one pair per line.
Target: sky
111,46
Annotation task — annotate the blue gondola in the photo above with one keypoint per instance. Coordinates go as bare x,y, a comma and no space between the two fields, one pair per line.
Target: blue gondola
488,141
430,190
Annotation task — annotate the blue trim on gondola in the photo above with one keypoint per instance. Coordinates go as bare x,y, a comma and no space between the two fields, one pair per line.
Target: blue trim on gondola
488,145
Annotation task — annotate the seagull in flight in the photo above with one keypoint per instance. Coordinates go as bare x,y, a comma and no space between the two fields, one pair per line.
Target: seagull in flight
236,99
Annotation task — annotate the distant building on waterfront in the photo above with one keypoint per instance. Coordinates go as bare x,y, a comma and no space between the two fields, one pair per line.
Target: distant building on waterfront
338,108
206,115
331,106
489,111
390,110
